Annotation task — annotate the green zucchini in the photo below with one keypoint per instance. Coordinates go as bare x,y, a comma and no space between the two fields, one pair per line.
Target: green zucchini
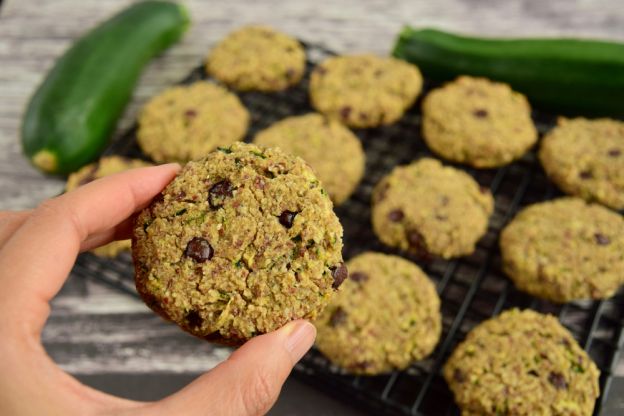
570,76
73,113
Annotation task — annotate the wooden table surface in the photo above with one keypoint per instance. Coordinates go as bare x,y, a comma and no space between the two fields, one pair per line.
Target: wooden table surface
111,340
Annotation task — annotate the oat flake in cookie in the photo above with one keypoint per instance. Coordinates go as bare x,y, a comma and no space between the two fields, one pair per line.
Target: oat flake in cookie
427,208
257,58
565,249
238,244
384,317
522,363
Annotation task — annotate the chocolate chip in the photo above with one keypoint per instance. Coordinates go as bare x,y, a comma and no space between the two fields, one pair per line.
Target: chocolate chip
396,215
180,196
533,373
359,277
615,152
338,318
458,376
557,380
199,249
218,192
287,218
194,320
345,111
585,174
339,273
190,113
321,70
418,244
601,239
480,113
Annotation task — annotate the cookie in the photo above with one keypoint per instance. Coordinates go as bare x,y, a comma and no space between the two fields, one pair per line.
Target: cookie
522,363
107,165
585,158
430,209
188,121
478,122
257,58
364,90
333,151
238,244
384,317
564,250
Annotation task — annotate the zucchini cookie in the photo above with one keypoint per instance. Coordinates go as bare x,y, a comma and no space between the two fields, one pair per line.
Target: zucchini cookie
257,58
478,122
107,165
333,151
430,209
586,158
188,121
386,316
522,363
564,250
364,90
238,244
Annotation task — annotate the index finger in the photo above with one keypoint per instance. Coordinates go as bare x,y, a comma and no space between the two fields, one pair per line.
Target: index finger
36,260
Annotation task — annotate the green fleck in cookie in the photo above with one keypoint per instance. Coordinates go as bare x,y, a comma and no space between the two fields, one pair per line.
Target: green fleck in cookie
257,58
565,249
427,208
478,122
333,151
522,363
586,158
238,244
107,165
188,121
364,90
386,316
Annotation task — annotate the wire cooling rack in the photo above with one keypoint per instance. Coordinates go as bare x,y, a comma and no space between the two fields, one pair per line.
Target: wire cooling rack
472,288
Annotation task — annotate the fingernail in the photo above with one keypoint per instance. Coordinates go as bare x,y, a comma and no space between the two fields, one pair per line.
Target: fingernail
300,337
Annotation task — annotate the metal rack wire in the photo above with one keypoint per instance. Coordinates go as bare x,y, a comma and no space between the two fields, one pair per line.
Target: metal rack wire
472,288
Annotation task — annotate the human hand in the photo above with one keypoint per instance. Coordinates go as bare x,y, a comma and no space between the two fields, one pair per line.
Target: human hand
37,251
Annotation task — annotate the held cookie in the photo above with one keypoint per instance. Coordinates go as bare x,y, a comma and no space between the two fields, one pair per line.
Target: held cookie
386,316
522,363
107,165
427,208
478,122
364,90
564,250
188,121
586,158
238,244
257,58
333,151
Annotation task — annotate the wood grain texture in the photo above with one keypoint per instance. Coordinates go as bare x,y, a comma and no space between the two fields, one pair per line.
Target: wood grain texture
94,329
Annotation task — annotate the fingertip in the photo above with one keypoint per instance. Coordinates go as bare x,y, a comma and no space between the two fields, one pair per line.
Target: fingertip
299,338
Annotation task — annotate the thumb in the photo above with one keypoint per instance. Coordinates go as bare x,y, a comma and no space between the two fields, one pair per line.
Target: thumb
249,382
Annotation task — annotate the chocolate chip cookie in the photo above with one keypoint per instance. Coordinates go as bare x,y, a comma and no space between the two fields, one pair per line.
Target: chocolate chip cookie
238,244
478,122
386,316
430,209
565,249
522,363
188,121
364,90
333,151
107,165
586,158
257,58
